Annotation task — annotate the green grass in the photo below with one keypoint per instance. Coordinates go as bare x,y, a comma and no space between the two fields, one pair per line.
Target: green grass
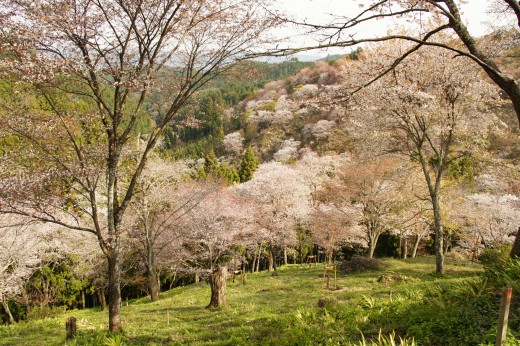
277,310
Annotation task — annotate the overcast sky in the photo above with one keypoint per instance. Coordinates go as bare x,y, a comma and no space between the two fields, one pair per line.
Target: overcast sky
319,11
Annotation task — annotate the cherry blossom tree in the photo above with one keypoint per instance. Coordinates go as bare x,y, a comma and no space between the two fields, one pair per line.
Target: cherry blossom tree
367,192
163,200
213,228
20,254
106,58
282,198
331,228
435,109
429,20
25,246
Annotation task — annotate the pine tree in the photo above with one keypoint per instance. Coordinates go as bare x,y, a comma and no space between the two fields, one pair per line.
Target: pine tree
248,165
229,173
211,165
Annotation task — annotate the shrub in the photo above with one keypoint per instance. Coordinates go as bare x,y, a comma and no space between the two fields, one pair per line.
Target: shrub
327,302
46,311
268,106
360,264
494,255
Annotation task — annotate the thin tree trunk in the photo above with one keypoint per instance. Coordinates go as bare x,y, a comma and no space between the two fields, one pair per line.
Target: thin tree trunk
101,297
217,282
416,246
255,258
404,249
25,300
439,255
83,299
372,242
114,293
257,269
285,262
173,280
271,259
259,258
8,311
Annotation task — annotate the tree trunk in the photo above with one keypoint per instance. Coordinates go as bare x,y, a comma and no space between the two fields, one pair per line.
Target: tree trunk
217,282
70,326
416,246
7,311
257,269
372,242
271,259
330,253
439,247
515,251
153,284
114,293
255,258
285,262
404,247
25,300
83,305
100,292
173,279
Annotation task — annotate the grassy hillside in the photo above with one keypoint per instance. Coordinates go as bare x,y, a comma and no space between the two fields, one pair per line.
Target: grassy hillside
283,310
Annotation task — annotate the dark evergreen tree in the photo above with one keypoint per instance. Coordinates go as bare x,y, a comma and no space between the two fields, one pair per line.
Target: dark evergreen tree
229,173
211,165
248,165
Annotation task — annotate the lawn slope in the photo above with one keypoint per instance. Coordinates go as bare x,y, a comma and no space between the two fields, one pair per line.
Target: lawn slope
283,310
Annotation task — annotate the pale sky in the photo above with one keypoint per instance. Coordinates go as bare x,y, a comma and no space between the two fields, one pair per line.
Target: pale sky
318,11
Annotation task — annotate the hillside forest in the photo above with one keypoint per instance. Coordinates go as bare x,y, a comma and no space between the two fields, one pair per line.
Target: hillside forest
145,147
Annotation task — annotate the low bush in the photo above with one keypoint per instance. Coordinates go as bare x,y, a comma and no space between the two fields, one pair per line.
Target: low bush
359,264
494,255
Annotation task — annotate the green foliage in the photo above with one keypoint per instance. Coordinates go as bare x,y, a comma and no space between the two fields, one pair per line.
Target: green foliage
55,283
305,244
388,245
229,173
389,340
248,165
504,272
211,164
114,340
269,106
463,168
497,254
208,109
38,313
212,168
